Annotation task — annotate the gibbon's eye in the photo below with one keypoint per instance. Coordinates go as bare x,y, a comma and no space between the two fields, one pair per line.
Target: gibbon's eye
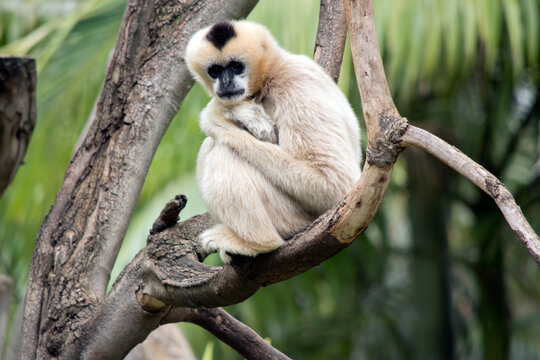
214,71
236,67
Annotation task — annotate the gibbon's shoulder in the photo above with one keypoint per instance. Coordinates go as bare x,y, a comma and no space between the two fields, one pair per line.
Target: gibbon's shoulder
299,71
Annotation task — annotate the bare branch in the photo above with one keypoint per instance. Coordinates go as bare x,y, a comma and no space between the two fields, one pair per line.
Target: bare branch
229,330
384,125
482,178
169,214
331,36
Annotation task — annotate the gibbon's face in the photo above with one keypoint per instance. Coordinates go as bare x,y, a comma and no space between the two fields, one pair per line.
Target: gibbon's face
230,59
229,80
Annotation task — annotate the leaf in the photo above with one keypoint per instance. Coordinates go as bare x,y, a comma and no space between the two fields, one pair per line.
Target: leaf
208,351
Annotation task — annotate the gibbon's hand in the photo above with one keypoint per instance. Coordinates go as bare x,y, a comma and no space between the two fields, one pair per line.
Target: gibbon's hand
213,122
251,117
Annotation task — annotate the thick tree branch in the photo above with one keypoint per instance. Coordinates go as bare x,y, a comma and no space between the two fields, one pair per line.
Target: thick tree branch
482,178
17,113
331,36
383,123
229,330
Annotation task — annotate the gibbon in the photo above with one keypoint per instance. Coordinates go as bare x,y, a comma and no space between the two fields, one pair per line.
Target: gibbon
283,143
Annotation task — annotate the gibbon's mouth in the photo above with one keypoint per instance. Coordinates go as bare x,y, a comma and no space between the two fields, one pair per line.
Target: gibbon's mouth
231,94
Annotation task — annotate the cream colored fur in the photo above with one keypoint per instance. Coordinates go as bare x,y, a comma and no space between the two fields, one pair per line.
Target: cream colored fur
262,188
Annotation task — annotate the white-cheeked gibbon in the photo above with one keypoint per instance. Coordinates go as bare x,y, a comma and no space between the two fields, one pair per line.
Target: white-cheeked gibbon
283,143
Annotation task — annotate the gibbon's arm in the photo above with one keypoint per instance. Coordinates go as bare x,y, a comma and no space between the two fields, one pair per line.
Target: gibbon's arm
303,181
248,116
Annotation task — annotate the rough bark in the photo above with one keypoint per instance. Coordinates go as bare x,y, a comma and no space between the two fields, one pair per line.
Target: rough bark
331,36
82,233
17,113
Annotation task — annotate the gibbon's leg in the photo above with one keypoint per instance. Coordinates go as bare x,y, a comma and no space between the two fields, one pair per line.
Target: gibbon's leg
309,185
234,193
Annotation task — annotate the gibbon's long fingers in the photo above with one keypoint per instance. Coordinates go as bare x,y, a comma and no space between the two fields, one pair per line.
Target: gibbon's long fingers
301,180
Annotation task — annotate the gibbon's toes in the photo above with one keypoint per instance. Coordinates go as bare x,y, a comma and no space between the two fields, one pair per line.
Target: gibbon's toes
208,242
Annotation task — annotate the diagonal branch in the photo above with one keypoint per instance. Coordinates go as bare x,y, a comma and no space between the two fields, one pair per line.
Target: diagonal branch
229,330
482,178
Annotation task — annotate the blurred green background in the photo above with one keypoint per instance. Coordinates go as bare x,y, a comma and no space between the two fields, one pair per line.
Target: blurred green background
437,275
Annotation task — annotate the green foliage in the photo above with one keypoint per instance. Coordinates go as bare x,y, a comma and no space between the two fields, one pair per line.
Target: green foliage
466,69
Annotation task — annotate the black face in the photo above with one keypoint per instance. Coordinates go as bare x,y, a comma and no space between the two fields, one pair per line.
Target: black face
228,87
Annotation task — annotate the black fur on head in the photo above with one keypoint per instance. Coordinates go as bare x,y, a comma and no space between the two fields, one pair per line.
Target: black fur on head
220,34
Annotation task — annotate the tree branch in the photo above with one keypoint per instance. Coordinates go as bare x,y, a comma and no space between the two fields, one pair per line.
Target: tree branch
482,178
331,36
229,330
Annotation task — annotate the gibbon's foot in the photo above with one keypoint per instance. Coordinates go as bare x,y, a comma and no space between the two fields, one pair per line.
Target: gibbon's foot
215,239
209,245
229,244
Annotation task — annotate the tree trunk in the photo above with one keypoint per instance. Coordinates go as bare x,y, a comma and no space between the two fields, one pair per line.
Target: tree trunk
80,237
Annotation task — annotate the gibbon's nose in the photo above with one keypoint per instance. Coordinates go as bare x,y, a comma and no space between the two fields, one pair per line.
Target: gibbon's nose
226,79
227,87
